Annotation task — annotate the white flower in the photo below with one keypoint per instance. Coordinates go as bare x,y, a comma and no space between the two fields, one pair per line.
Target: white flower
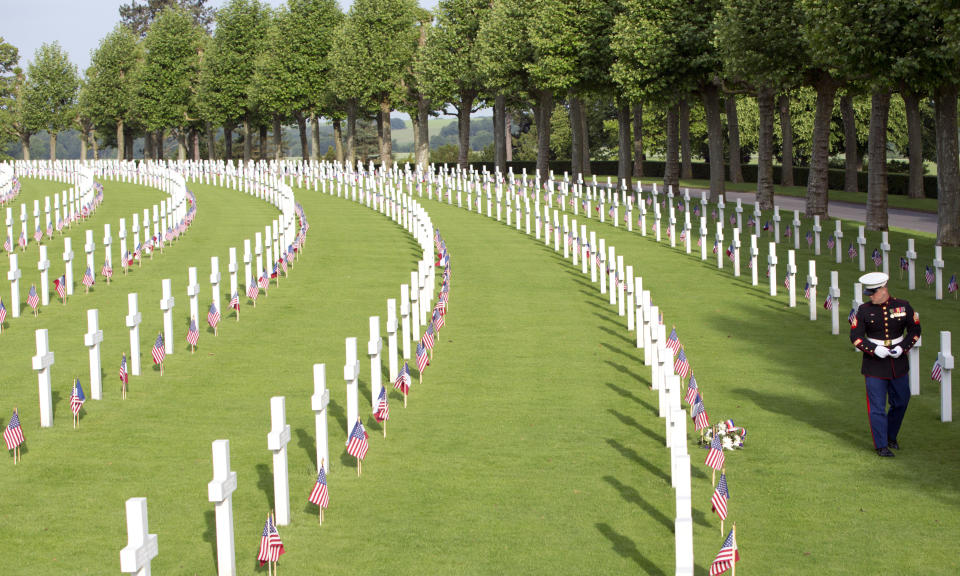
727,443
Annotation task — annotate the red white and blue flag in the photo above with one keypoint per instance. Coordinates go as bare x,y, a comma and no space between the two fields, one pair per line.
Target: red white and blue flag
699,416
271,547
422,360
319,494
681,366
88,279
693,392
13,434
828,303
77,398
213,315
158,351
33,300
726,557
193,335
428,337
383,406
715,458
952,285
673,342
928,275
124,377
877,258
937,373
721,494
235,301
402,382
357,443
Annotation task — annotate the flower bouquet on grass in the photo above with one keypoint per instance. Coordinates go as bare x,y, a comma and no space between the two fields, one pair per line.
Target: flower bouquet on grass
731,435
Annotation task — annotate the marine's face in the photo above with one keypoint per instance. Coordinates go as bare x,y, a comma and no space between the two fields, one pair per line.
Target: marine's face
880,296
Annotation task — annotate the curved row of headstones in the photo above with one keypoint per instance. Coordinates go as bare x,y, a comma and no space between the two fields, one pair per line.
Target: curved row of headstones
401,209
174,214
9,183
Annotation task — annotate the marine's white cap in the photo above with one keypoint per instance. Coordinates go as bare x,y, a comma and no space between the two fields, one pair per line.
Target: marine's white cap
873,281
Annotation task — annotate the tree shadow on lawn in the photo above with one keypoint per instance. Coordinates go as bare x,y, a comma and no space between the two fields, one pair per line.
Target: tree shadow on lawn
627,548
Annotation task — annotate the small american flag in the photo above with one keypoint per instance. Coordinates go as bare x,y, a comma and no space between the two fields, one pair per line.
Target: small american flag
937,373
806,290
720,496
828,303
106,270
438,320
88,279
681,367
12,434
271,547
715,458
787,232
402,382
319,494
8,245
77,398
716,246
193,335
809,239
357,443
727,555
383,406
673,342
422,360
692,391
766,226
32,299
904,265
733,220
213,315
928,275
683,236
700,419
3,311
730,252
831,242
124,377
952,285
852,251
428,337
253,290
786,280
158,352
38,235
23,240
852,316
235,301
877,258
264,281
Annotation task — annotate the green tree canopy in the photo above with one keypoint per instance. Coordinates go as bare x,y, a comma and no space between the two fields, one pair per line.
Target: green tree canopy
50,95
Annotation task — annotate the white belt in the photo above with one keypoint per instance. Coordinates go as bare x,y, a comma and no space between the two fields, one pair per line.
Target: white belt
893,342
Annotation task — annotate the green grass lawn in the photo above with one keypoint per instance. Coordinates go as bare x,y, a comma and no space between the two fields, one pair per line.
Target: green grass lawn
533,444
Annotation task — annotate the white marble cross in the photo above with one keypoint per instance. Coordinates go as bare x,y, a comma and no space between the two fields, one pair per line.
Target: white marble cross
319,402
136,230
720,206
792,277
838,235
122,234
107,246
405,318
351,373
232,269
938,270
248,277
796,230
835,300
816,234
612,273
776,224
141,547
42,363
193,292
13,275
392,359
414,312
945,359
277,440
43,264
92,340
215,281
167,303
683,524
374,348
603,265
591,262
220,491
89,248
703,238
739,211
812,281
885,251
133,320
862,252
911,264
736,252
772,267
631,297
721,249
754,259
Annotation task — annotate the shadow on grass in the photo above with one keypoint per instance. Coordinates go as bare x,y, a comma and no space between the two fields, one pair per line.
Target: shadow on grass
307,443
627,548
632,422
633,455
336,410
628,394
210,534
621,352
265,483
626,371
632,495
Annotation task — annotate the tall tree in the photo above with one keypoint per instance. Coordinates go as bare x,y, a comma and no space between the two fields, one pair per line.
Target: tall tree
138,16
110,89
762,53
50,95
9,72
166,81
228,68
446,67
347,80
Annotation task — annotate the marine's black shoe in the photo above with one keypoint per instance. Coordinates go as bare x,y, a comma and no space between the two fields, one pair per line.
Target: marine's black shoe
893,444
885,452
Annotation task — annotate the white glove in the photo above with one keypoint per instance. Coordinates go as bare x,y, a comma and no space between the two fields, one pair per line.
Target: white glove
881,351
896,352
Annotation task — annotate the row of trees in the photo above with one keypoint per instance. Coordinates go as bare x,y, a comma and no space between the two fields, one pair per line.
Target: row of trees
163,72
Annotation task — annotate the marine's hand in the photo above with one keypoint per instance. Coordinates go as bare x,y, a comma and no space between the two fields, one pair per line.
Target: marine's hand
896,352
881,351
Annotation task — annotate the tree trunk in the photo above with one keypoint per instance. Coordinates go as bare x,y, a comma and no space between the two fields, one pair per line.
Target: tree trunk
671,169
576,153
247,140
911,101
181,144
95,146
228,141
544,109
196,145
302,127
262,150
948,169
53,145
877,158
499,134
315,138
84,138
211,142
338,140
686,166
128,142
786,131
121,141
423,145
818,194
148,146
352,105
711,105
584,140
25,146
852,160
463,128
508,136
623,144
158,145
733,138
277,138
765,104
386,145
638,140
